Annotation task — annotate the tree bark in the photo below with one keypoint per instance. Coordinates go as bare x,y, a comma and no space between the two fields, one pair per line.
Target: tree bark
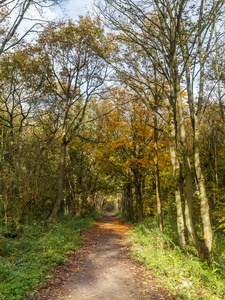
218,78
128,188
130,202
157,178
203,248
204,203
188,177
54,211
139,201
177,179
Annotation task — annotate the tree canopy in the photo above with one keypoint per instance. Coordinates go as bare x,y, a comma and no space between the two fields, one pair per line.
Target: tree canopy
120,111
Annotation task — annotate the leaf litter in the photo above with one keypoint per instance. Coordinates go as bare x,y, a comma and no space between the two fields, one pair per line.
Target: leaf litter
103,269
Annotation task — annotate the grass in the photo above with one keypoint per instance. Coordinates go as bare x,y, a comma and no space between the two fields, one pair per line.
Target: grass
26,261
185,275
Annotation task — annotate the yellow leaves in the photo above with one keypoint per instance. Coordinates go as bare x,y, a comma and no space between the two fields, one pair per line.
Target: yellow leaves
84,34
128,135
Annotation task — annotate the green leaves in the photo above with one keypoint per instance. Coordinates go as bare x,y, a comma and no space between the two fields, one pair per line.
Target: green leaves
25,262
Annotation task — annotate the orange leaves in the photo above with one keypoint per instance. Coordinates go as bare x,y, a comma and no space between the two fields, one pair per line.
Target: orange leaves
143,162
128,135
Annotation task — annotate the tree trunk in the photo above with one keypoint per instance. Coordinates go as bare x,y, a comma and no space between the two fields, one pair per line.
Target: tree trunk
124,200
139,201
84,203
202,192
177,179
216,165
129,198
188,176
218,78
204,248
5,205
157,179
55,209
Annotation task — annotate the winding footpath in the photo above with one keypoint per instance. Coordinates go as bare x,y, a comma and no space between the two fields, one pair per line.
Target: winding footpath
102,269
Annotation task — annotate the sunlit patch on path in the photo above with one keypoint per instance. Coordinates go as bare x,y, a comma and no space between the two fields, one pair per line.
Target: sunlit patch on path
103,269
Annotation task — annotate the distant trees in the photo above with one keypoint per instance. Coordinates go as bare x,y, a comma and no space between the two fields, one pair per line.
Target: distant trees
129,151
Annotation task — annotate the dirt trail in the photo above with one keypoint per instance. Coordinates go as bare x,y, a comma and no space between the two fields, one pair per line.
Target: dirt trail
102,269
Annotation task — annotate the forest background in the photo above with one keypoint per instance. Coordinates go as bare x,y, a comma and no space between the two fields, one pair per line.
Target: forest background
120,110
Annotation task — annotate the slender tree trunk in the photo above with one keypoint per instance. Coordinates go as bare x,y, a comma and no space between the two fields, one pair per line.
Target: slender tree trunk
177,179
216,165
157,178
130,201
204,204
129,196
72,197
56,206
188,176
5,204
204,248
124,199
177,174
139,200
84,203
218,78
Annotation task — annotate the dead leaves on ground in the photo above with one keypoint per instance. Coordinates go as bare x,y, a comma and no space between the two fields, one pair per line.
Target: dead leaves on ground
56,287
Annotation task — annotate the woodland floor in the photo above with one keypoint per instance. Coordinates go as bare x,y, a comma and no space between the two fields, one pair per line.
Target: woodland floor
102,268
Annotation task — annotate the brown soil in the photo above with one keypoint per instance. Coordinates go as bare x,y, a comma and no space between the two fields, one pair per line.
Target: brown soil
103,269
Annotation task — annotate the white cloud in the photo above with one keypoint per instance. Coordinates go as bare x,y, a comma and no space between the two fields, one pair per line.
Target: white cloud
74,8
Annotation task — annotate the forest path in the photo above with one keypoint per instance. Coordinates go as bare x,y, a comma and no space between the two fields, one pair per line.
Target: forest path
102,269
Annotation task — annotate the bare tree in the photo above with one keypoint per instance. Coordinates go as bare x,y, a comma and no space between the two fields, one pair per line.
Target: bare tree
13,12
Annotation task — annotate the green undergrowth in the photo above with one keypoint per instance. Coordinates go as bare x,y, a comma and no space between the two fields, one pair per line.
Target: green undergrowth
184,274
26,261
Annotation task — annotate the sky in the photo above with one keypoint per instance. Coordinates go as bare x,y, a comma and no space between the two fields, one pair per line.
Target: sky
75,8
71,9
